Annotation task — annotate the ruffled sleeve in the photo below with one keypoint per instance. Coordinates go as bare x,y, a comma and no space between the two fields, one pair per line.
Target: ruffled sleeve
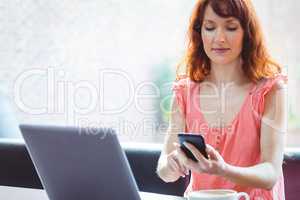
179,90
265,88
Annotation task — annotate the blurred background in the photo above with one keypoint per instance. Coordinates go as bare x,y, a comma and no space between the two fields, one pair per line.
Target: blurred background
112,63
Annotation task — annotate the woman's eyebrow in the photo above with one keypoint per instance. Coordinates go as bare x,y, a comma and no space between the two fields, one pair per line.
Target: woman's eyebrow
209,20
231,20
227,21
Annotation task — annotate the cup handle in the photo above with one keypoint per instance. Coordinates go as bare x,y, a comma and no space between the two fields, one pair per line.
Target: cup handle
243,194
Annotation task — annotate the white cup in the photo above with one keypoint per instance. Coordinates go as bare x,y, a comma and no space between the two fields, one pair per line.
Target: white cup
217,194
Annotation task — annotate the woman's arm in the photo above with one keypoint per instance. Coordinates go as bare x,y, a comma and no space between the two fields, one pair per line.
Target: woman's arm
273,131
169,169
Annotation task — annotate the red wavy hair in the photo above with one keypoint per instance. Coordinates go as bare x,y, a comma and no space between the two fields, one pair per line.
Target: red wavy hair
257,63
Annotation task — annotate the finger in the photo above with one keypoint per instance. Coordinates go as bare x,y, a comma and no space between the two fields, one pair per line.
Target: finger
213,154
181,167
177,147
185,162
176,144
182,157
178,166
186,170
198,155
173,165
194,166
172,160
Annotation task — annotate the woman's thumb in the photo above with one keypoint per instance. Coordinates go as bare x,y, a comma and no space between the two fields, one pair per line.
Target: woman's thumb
211,152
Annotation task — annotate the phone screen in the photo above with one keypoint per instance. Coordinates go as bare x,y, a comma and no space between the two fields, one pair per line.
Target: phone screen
196,140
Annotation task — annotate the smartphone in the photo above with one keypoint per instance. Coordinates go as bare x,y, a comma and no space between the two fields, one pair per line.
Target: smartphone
196,140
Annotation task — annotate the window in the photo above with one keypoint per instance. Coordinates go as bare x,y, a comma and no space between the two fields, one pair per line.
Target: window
111,63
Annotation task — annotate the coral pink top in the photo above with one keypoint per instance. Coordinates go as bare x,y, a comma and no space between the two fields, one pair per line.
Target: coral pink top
238,143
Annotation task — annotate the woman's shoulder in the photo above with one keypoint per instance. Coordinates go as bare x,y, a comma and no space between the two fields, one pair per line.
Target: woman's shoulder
181,82
184,81
276,82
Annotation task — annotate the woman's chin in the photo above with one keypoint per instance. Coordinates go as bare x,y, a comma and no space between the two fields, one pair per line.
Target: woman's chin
221,61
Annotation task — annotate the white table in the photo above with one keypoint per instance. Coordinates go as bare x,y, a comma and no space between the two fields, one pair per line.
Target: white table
16,193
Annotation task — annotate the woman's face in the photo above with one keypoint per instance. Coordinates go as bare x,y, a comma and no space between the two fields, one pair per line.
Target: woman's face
222,37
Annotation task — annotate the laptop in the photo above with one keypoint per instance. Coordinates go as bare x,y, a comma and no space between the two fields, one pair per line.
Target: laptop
80,163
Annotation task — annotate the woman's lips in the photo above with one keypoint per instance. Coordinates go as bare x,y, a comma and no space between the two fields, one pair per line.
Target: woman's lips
220,50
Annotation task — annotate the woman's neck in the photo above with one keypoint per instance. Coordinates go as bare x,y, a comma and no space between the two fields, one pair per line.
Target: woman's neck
231,73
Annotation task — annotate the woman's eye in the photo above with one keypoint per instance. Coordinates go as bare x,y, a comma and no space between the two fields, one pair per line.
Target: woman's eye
232,28
209,28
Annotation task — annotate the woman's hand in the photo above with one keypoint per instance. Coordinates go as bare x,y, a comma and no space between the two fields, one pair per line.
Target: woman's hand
214,165
175,165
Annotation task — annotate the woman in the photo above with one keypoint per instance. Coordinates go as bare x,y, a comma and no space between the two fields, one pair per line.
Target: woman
234,96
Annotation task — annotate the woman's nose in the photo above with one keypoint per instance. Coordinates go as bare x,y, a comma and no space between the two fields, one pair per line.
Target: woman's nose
220,36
